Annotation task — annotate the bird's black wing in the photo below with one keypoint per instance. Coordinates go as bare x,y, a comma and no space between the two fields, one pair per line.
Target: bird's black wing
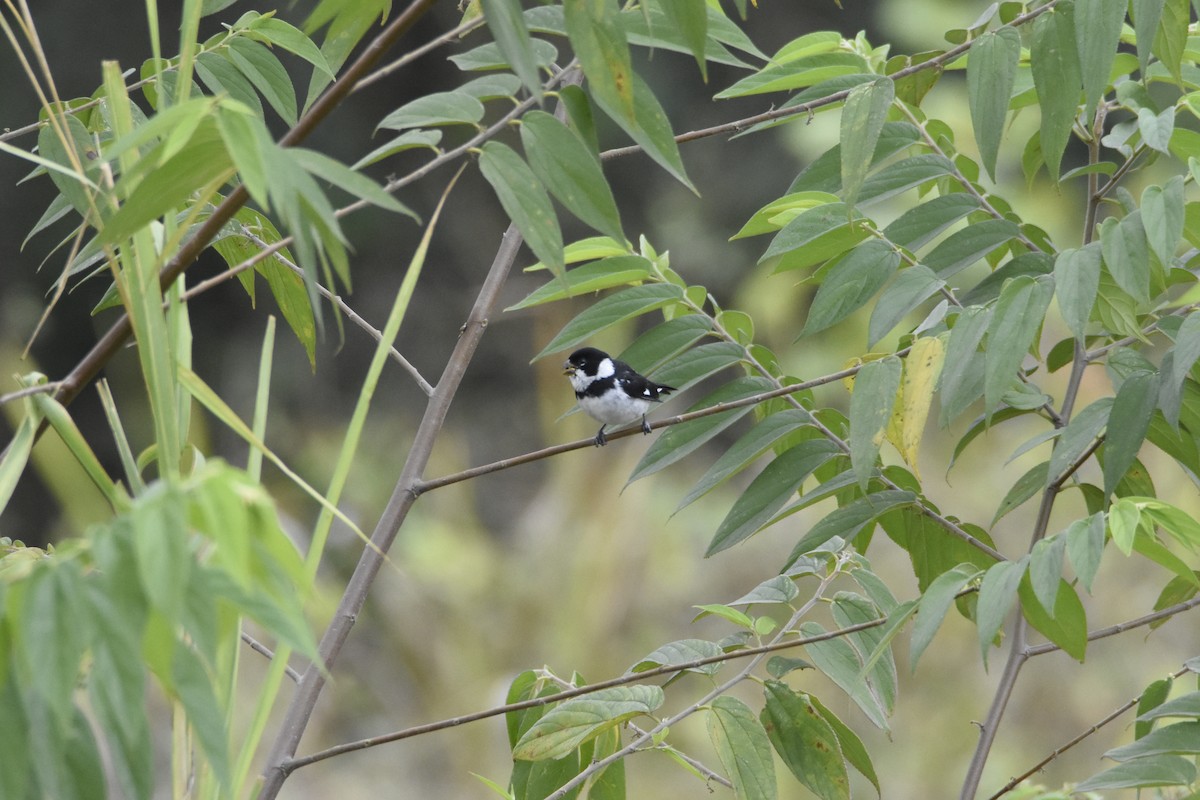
636,385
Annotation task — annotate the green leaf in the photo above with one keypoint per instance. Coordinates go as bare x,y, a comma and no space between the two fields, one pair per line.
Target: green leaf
1151,698
1163,217
863,116
507,24
622,305
1016,320
1076,281
1085,547
962,371
221,76
275,31
779,590
1179,738
683,439
769,491
991,70
1124,246
262,68
683,651
568,725
598,39
405,141
431,110
1146,16
796,74
1186,705
1156,129
997,594
1056,77
571,171
591,277
805,741
904,175
921,223
852,747
817,234
1171,41
935,602
1133,407
878,669
742,745
1164,770
753,444
1078,436
525,201
842,664
1045,570
335,172
689,18
1097,33
849,520
205,713
911,287
1029,484
963,248
871,405
649,127
692,366
1065,624
850,283
665,341
488,56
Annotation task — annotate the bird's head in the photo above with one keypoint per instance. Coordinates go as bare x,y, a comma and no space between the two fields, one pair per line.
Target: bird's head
587,364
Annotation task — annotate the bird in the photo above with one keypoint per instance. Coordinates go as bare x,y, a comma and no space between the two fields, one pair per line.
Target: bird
611,391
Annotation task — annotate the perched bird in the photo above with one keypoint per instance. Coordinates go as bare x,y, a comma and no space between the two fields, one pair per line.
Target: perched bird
611,391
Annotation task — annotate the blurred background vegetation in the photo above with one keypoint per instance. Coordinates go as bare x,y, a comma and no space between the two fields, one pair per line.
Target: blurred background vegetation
555,563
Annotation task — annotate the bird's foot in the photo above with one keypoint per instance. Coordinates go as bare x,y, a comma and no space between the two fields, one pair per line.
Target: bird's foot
645,426
600,439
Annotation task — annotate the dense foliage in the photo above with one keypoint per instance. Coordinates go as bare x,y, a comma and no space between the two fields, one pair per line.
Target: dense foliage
975,317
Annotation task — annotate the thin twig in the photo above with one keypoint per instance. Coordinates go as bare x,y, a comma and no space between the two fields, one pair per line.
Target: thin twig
634,677
28,391
263,650
1058,751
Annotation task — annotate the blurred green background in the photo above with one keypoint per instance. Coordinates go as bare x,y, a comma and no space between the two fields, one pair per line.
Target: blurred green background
559,563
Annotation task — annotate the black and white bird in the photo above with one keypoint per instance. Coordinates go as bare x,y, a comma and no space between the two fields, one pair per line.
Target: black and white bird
610,391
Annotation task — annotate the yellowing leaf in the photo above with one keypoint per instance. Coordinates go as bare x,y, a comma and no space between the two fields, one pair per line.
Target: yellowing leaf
921,371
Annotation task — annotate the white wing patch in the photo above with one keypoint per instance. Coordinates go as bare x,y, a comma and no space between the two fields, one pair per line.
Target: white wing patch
605,368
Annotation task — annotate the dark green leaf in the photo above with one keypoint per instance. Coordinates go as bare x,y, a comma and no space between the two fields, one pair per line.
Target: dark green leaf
997,594
962,371
1097,32
431,110
850,283
573,722
816,235
507,24
1056,75
991,70
488,56
871,405
904,175
1079,435
1186,705
796,74
405,141
665,341
650,127
852,747
1045,570
769,491
525,202
1165,770
1171,40
689,18
1016,320
911,287
805,741
1076,281
591,277
622,305
683,439
848,521
263,69
842,664
221,76
698,363
742,745
863,116
1029,484
923,222
1146,16
569,169
825,174
935,602
1152,698
753,444
1163,216
963,248
598,38
683,651
1135,403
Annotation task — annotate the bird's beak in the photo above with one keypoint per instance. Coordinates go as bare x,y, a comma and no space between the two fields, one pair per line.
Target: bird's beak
568,368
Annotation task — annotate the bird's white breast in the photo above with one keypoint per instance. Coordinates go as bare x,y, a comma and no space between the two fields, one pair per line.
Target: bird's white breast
614,407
